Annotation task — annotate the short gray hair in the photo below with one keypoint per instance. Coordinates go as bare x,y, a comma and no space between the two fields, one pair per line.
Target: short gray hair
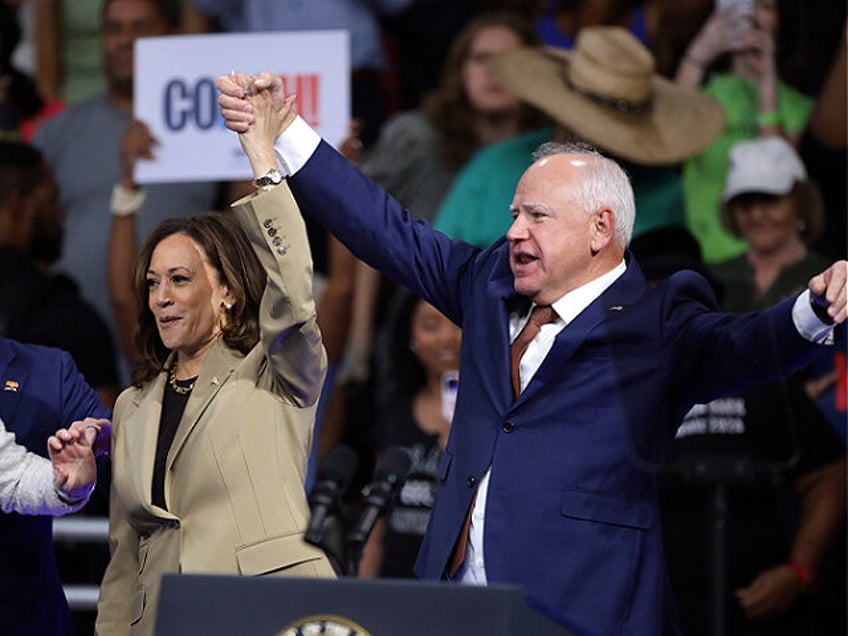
606,185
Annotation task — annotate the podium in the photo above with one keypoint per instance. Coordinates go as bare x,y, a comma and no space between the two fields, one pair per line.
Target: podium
269,606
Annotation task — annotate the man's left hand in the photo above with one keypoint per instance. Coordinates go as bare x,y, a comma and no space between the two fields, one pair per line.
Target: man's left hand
830,286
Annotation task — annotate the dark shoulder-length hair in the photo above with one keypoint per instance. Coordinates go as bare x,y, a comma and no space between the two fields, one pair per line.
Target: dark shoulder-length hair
448,107
228,252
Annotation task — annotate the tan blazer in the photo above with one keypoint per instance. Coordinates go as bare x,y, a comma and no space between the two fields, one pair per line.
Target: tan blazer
234,482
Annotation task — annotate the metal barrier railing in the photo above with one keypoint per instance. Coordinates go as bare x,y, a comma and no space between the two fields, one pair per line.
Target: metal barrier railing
81,530
82,597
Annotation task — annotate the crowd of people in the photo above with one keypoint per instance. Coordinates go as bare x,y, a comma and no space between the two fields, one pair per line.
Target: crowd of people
493,272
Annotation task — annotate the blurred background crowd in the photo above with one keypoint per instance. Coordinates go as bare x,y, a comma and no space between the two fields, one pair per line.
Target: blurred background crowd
448,100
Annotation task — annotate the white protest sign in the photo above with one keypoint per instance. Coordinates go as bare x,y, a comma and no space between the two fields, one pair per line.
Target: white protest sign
175,95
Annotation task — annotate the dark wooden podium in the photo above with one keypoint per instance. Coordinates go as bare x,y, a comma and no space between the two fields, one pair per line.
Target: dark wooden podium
268,606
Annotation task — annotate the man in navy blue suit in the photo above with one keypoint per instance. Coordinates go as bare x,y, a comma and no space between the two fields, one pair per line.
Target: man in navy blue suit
548,479
40,392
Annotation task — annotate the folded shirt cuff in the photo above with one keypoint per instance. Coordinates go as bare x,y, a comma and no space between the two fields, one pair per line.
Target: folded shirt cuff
296,145
807,323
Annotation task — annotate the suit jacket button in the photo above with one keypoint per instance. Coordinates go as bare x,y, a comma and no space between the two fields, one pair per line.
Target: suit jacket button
471,480
508,427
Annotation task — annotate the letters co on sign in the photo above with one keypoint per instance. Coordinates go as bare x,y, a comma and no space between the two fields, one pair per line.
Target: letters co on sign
194,104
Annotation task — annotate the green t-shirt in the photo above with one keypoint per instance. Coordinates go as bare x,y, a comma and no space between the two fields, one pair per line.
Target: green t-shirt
704,175
476,208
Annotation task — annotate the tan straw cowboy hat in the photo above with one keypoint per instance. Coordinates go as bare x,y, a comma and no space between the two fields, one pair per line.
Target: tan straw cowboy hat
606,92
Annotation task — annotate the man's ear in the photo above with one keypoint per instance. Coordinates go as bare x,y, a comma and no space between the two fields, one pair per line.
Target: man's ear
603,229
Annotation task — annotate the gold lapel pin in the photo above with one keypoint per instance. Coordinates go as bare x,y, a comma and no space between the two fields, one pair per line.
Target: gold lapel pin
11,385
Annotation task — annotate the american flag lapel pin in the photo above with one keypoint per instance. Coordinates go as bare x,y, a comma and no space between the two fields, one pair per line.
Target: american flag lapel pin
11,385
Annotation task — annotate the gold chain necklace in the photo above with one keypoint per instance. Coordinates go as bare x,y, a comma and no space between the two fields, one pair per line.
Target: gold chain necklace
172,380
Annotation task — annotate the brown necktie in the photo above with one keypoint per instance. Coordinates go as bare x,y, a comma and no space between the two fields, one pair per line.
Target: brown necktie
541,314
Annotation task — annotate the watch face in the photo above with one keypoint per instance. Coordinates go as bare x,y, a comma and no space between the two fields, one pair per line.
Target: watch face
272,177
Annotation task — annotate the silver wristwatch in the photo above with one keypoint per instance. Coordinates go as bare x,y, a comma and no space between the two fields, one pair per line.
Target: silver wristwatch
271,178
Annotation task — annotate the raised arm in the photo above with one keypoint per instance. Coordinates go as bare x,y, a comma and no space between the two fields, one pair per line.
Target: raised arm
716,37
127,200
371,223
287,317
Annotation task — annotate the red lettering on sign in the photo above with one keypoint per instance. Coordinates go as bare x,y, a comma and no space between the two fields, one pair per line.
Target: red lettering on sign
308,103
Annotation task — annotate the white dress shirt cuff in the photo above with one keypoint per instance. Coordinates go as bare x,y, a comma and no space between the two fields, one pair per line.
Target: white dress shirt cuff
296,145
807,323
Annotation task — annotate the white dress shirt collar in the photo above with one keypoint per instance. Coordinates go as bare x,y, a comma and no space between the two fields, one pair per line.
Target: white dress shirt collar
572,303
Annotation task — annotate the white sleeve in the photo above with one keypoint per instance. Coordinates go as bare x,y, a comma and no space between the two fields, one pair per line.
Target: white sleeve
26,481
807,323
296,145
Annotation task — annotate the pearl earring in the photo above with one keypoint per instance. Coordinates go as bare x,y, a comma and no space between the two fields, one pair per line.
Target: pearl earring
228,306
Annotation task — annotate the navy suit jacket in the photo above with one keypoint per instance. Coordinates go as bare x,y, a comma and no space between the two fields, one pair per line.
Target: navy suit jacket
40,391
572,511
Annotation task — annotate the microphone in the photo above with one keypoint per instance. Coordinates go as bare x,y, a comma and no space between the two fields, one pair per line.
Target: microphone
379,494
331,483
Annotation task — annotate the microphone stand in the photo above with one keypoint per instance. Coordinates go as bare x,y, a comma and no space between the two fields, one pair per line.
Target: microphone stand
719,472
353,553
718,554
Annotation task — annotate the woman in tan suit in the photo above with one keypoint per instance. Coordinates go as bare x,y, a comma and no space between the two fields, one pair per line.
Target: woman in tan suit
210,444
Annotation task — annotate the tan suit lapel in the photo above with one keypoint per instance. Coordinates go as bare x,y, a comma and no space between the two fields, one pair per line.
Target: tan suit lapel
219,365
141,432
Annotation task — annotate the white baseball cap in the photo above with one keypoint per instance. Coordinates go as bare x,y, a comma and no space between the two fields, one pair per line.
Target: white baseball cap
770,165
767,164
